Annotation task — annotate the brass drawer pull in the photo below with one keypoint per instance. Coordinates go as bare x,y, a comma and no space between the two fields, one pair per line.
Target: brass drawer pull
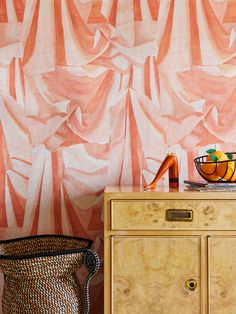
179,215
191,284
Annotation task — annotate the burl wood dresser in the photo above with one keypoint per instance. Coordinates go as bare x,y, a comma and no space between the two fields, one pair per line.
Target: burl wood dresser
170,251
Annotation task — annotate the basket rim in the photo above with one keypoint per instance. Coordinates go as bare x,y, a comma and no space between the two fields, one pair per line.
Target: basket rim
45,254
196,159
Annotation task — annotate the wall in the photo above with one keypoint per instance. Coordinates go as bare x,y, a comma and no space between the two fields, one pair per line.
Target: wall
94,92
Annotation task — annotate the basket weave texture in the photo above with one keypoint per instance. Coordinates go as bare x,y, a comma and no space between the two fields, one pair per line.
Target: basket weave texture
39,274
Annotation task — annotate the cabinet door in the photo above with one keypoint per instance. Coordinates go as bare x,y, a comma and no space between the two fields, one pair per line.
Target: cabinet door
222,275
149,275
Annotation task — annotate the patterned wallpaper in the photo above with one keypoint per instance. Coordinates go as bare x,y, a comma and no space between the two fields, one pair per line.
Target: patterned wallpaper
94,92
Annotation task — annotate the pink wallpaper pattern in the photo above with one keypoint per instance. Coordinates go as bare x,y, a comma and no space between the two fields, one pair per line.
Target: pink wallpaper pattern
94,92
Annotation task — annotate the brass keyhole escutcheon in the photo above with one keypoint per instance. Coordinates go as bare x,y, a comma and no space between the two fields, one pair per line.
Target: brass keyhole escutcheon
191,284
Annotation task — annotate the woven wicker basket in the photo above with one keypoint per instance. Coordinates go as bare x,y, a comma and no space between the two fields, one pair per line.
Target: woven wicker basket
39,274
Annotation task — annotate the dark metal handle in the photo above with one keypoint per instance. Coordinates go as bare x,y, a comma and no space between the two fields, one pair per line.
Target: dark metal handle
92,263
179,215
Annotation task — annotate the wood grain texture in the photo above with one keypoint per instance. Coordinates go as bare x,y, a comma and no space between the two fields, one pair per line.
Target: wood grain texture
151,214
147,257
222,275
149,275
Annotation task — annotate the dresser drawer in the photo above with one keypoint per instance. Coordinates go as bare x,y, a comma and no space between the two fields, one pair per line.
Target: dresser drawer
173,214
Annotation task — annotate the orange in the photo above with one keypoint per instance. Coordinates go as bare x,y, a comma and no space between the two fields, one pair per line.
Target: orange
209,169
233,177
225,169
222,168
232,171
221,156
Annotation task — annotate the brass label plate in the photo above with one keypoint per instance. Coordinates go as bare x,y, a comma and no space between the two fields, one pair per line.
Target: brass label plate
179,215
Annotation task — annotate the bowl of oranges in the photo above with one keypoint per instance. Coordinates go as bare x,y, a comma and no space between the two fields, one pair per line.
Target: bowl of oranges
217,166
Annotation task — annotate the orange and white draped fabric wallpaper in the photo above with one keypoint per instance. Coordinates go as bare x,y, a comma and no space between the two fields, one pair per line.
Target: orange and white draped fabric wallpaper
94,92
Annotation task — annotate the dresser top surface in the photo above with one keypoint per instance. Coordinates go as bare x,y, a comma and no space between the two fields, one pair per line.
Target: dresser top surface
164,192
